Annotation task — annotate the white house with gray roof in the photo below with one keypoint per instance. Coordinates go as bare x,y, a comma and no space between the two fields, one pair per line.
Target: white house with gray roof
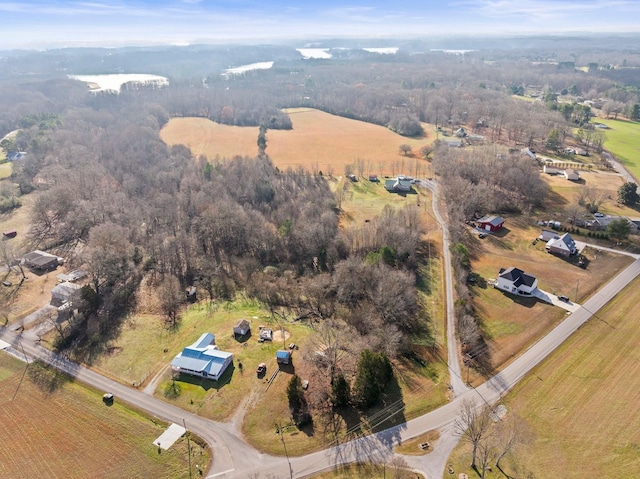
562,245
516,281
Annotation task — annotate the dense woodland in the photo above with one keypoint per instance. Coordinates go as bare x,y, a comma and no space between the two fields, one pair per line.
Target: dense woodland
112,197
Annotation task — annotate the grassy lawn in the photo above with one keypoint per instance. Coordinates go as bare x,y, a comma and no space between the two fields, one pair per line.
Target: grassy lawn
5,168
412,446
370,471
578,403
622,141
318,141
512,323
216,400
60,429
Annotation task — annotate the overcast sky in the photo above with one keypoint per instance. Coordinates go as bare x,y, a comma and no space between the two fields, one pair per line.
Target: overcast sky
41,23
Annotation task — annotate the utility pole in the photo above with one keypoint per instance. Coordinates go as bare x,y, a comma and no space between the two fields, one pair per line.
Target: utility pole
285,449
184,423
26,359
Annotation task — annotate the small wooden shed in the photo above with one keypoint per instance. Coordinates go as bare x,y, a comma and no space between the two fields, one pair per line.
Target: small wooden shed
242,327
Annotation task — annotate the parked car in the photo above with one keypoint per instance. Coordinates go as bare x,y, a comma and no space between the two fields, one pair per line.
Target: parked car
107,397
598,215
563,298
261,369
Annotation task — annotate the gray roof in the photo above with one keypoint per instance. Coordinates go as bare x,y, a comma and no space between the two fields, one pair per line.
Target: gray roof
492,220
564,242
517,276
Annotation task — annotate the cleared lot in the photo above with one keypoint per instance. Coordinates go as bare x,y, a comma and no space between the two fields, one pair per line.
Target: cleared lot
59,429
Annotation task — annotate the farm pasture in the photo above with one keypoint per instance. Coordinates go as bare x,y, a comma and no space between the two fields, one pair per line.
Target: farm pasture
622,142
55,428
577,405
318,141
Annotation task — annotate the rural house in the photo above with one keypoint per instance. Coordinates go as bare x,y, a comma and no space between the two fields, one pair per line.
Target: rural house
399,184
602,223
65,293
41,261
283,357
529,153
551,170
241,328
203,358
516,281
16,155
546,235
562,245
571,174
490,223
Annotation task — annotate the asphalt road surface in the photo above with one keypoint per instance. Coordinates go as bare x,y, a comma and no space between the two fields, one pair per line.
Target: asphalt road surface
233,458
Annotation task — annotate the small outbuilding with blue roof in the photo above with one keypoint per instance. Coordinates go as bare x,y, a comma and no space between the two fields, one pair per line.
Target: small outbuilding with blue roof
283,357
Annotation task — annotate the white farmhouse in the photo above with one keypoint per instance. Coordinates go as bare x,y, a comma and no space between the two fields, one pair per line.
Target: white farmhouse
516,281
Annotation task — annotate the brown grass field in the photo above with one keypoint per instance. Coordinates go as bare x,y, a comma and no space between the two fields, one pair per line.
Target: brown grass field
58,429
512,323
580,405
318,141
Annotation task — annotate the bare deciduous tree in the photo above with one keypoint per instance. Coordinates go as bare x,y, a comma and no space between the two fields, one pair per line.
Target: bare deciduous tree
472,425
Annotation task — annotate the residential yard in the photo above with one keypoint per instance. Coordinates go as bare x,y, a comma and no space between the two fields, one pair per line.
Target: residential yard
565,194
318,141
59,429
35,291
512,323
576,404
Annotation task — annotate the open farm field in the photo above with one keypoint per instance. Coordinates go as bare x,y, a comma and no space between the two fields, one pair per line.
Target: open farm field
622,142
318,141
578,404
59,429
512,323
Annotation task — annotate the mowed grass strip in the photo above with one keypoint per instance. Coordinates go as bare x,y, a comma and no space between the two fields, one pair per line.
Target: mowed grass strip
318,140
622,141
580,405
59,429
370,471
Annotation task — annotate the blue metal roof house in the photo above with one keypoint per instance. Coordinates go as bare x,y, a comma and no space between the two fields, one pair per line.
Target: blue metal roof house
202,358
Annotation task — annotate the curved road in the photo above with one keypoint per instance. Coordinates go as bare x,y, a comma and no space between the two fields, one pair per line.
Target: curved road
245,461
